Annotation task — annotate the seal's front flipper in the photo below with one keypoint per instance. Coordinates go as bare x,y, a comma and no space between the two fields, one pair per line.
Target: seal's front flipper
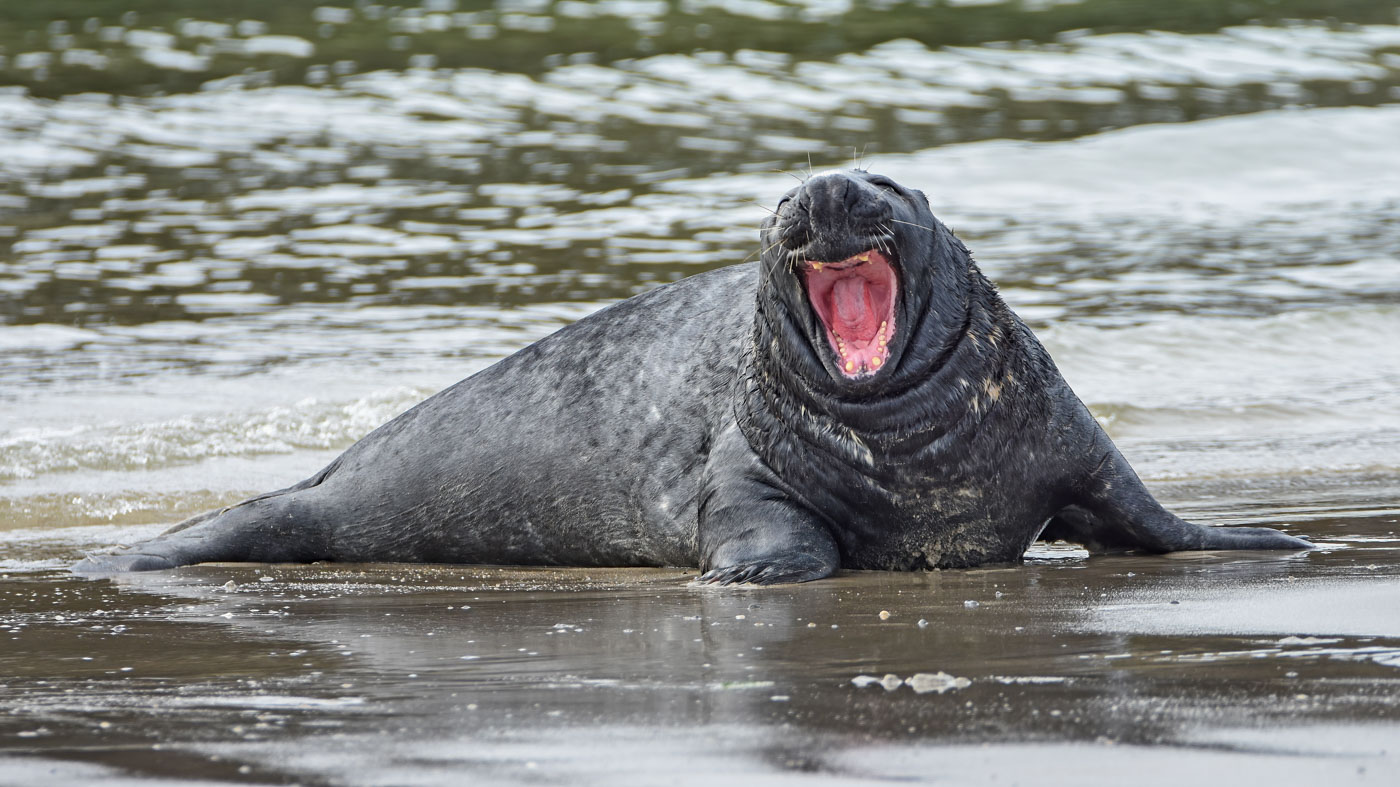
751,530
751,533
767,543
1114,511
1250,538
1077,526
267,529
778,570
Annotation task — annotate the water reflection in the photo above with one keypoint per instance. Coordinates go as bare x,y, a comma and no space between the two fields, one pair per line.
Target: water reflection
444,667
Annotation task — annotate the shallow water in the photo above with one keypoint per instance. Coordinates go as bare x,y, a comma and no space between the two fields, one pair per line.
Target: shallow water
1275,668
231,246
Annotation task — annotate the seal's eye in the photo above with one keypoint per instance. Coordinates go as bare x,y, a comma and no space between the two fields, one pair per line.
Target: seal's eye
882,182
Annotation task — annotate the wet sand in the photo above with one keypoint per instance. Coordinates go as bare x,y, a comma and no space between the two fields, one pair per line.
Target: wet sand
1259,667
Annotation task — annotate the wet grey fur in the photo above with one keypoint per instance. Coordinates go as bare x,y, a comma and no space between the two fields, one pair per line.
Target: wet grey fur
706,423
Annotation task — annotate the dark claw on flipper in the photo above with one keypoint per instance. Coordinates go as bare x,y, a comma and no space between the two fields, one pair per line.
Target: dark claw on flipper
730,575
767,573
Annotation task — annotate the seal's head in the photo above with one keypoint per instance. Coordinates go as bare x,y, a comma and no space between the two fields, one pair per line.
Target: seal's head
850,255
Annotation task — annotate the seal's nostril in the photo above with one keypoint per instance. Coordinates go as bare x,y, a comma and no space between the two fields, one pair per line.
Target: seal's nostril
829,200
853,196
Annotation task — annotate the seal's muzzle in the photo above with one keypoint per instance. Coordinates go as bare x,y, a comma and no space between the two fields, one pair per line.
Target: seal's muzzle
837,229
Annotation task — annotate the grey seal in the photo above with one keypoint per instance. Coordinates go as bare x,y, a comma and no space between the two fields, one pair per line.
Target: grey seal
861,397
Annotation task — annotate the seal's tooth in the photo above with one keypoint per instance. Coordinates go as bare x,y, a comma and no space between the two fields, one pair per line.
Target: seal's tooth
875,361
864,257
817,266
850,366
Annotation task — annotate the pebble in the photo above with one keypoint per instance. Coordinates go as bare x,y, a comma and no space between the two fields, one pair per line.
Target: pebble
923,682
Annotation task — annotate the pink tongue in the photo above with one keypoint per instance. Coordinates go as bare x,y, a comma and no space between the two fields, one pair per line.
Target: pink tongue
856,320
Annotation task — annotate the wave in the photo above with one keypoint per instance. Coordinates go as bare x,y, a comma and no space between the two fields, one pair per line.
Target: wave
1308,385
1326,367
309,424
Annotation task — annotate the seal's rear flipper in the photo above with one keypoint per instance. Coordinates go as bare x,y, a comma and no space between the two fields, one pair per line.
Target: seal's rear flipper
96,565
266,529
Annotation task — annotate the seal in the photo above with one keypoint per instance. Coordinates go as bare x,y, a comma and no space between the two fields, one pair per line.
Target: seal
860,397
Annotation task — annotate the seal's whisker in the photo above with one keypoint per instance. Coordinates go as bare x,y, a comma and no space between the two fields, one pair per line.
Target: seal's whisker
761,205
758,252
765,251
879,240
888,237
912,224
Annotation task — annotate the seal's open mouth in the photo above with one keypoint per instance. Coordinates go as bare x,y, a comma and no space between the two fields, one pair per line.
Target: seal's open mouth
854,298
